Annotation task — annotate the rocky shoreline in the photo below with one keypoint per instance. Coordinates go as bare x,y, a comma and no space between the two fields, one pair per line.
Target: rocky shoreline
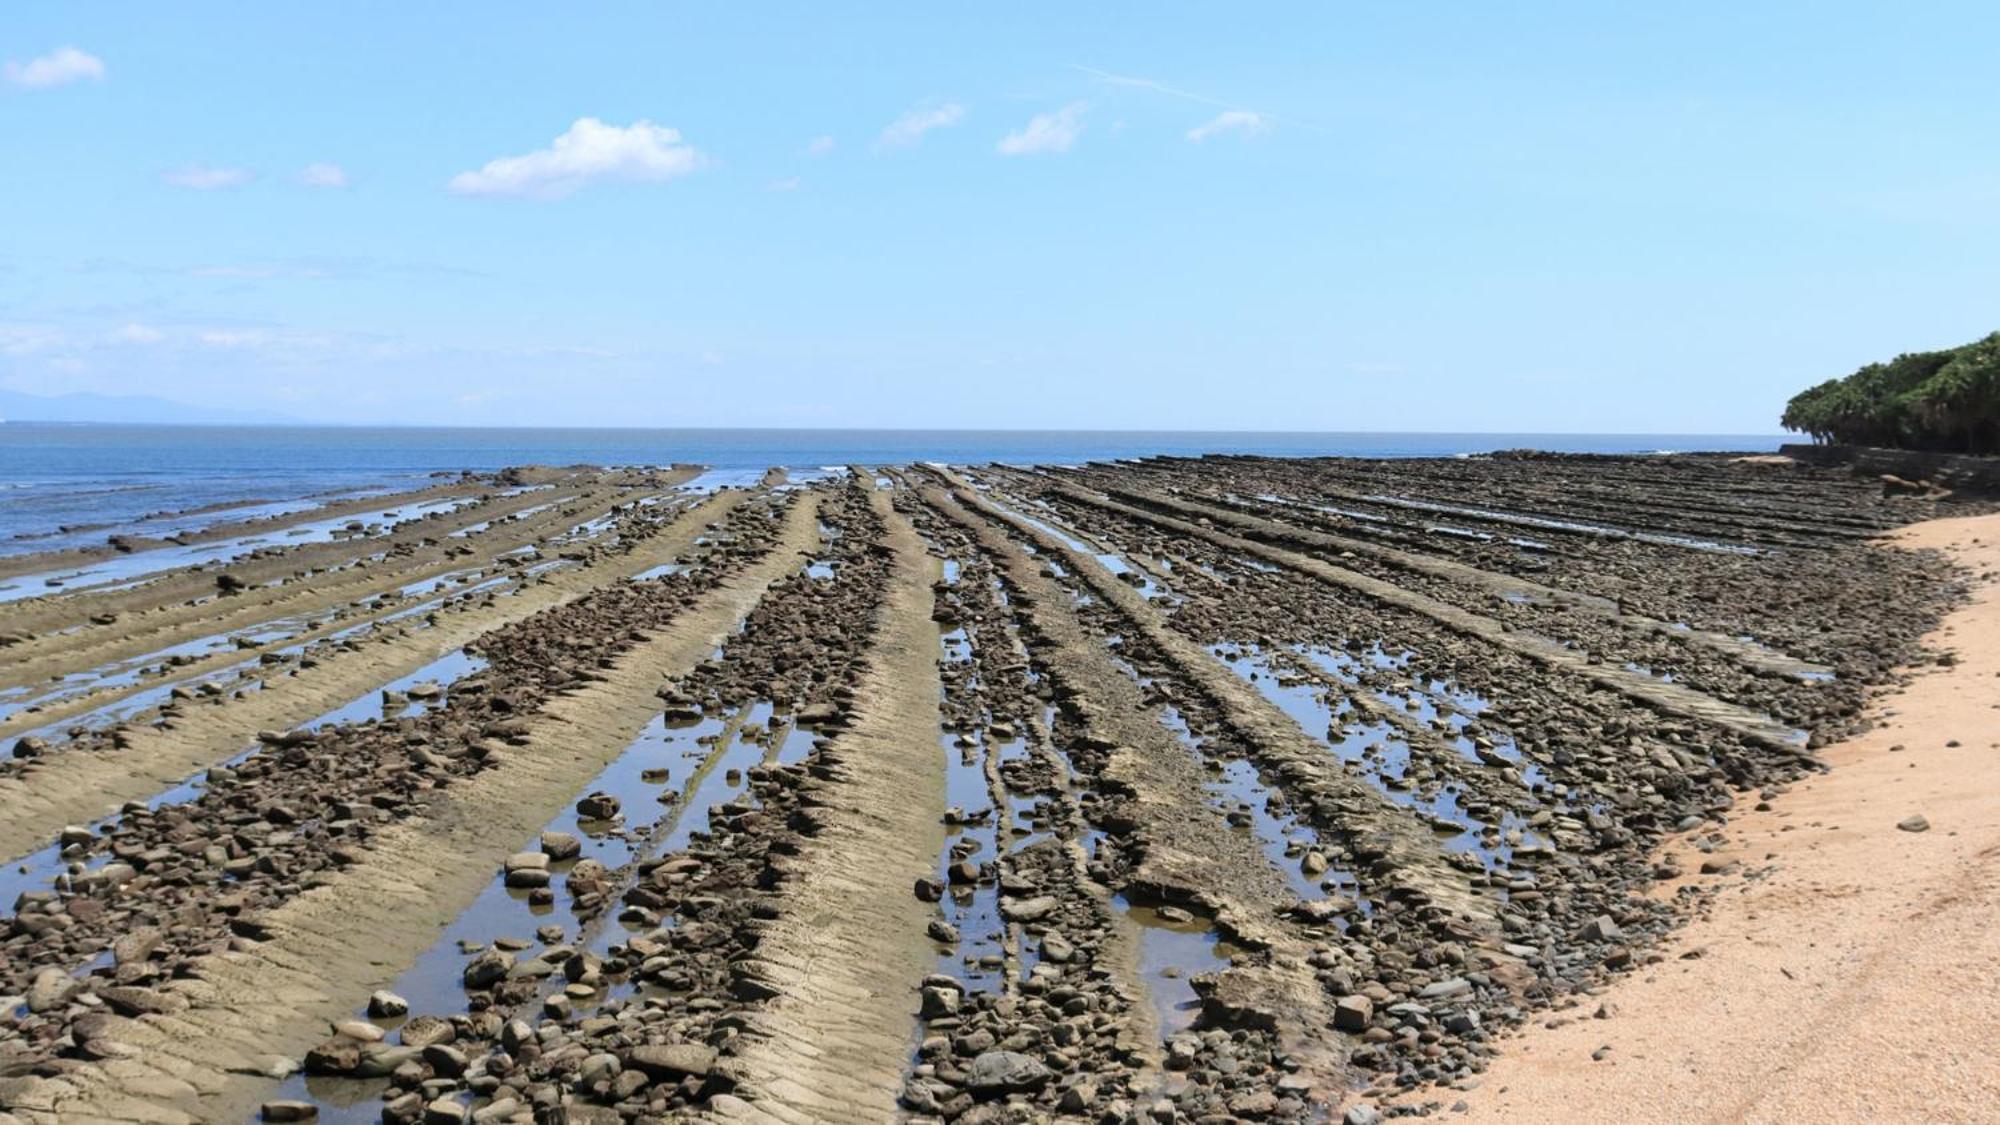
1184,789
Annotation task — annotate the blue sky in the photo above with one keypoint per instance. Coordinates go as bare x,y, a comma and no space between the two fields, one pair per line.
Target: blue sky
1317,216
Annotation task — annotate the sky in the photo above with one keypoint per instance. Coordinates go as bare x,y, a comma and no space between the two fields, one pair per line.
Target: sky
1326,216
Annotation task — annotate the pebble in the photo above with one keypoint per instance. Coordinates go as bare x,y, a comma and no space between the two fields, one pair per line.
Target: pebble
384,1005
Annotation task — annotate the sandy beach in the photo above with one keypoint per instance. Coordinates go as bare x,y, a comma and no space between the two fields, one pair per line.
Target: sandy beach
1850,969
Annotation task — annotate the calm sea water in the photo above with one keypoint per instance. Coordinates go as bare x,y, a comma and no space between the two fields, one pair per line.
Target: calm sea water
98,480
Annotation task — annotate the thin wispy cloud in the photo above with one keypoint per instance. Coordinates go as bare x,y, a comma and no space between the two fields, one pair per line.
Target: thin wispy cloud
1046,132
590,151
201,177
136,333
259,272
909,129
321,174
59,67
261,339
1240,122
1154,85
820,146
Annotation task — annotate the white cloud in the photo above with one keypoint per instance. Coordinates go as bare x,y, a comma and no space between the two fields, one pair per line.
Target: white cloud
57,68
1241,122
221,338
237,339
201,177
590,150
1231,119
789,183
1047,132
910,128
29,339
138,334
819,146
321,174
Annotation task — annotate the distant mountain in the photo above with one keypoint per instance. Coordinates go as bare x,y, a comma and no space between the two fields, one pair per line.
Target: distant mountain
19,406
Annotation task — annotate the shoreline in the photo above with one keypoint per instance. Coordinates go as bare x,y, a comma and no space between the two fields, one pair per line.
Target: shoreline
1242,781
1850,971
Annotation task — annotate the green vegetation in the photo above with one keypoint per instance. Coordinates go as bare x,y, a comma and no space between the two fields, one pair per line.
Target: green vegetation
1946,402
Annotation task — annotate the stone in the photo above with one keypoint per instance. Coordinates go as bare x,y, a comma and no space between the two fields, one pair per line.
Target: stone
136,946
488,968
289,1111
1057,949
1028,909
1914,824
444,1111
1005,1072
1256,1103
360,1031
598,806
50,989
1353,1013
380,1060
559,846
938,1002
1078,1098
386,1005
1446,989
445,1060
338,1055
426,1030
1361,1113
1602,928
600,1067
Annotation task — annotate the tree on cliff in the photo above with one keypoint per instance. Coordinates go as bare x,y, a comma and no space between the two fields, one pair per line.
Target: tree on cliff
1945,401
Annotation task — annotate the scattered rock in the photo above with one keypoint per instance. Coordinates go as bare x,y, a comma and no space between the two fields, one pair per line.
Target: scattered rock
1005,1072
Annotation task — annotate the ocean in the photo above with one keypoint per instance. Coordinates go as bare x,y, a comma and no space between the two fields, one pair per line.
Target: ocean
68,485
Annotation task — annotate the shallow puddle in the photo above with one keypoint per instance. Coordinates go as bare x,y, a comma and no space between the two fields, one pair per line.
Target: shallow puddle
1377,749
1171,954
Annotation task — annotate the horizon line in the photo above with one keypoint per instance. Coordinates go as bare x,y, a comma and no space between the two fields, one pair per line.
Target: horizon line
307,425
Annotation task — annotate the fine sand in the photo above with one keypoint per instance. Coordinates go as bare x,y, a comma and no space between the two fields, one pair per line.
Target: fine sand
1855,976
